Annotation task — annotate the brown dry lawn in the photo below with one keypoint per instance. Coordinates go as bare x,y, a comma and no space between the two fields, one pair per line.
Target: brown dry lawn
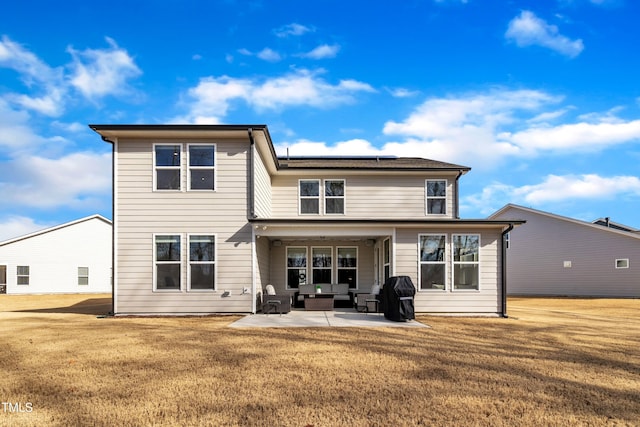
553,362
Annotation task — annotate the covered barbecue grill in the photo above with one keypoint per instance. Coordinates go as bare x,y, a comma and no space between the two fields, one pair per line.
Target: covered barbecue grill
397,298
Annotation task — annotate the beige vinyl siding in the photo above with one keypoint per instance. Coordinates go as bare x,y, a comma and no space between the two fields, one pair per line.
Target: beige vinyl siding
262,194
484,301
538,249
142,212
366,196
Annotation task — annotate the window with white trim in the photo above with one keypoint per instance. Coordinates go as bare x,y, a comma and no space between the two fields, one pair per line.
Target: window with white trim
296,267
386,259
466,261
167,165
167,256
83,276
432,248
348,266
622,263
321,265
309,193
22,272
436,196
334,196
201,166
202,262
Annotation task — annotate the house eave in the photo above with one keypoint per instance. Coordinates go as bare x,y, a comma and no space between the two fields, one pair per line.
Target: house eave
403,223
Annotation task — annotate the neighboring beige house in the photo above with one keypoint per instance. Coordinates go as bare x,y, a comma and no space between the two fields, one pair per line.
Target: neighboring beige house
559,256
205,216
70,258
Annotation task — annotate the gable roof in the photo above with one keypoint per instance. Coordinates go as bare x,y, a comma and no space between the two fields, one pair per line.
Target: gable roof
591,225
606,222
382,163
54,228
368,163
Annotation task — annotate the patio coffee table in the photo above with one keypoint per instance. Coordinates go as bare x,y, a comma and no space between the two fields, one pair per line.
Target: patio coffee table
322,301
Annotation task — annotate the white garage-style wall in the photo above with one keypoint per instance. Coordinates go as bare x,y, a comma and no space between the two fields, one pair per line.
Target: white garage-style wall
74,257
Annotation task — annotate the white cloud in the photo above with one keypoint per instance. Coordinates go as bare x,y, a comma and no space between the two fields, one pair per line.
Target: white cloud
100,72
31,68
304,147
37,76
94,73
322,52
211,99
292,30
464,128
484,129
554,189
529,30
574,136
269,55
16,226
76,180
402,92
16,131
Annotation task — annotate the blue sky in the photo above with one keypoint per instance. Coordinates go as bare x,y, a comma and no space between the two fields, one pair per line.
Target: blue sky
540,98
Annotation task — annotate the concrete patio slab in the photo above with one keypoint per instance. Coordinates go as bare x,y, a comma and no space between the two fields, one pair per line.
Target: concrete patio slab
317,319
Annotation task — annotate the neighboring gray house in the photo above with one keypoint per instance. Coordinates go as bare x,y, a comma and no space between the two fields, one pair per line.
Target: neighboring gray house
206,216
74,257
559,256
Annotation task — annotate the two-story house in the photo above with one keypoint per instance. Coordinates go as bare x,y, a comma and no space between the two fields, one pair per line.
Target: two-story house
205,216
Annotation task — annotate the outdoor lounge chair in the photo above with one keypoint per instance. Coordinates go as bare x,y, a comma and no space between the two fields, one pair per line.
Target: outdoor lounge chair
367,303
273,302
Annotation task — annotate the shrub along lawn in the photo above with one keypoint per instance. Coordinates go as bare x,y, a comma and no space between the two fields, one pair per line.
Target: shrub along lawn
553,362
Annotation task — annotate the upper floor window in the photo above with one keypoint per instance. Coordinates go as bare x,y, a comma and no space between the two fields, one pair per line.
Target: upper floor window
202,167
436,197
310,194
167,167
201,162
309,190
334,196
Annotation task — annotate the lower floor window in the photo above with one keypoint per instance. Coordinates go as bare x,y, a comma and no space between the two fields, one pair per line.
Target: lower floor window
434,261
322,268
466,261
348,266
296,267
202,262
83,276
23,274
169,261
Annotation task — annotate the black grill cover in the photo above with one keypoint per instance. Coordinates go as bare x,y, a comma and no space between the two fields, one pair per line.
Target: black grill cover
397,298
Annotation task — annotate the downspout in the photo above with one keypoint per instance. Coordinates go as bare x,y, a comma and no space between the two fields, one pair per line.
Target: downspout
250,183
456,199
113,224
252,214
504,272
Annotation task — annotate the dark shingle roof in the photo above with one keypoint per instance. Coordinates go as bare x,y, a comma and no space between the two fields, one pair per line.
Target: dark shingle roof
371,162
